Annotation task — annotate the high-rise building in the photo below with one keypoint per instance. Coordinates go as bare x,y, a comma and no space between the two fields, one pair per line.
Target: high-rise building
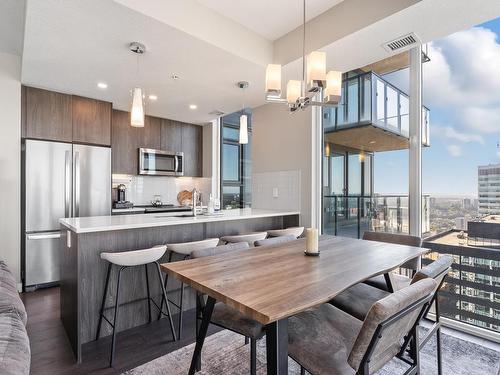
489,189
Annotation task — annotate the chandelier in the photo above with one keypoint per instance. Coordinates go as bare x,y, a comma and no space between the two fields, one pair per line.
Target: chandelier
300,94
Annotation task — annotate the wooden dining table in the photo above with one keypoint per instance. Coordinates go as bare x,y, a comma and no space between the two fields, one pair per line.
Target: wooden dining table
271,283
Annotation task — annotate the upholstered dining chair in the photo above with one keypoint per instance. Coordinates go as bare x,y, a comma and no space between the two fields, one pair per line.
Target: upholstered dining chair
292,231
398,281
250,238
358,299
326,340
227,317
274,241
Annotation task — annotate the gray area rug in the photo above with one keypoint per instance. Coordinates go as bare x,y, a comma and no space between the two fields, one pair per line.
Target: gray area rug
225,353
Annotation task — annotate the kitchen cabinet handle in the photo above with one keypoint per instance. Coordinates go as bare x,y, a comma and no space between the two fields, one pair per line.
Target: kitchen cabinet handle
77,184
67,185
44,236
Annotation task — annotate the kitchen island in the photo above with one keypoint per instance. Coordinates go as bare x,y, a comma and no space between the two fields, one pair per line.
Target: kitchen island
83,272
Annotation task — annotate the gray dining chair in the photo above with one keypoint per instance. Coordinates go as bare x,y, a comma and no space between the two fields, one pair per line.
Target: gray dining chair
326,340
358,299
292,231
274,241
398,281
227,317
250,238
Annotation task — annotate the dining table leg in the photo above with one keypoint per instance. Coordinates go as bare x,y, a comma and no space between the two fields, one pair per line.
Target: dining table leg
200,338
389,282
277,347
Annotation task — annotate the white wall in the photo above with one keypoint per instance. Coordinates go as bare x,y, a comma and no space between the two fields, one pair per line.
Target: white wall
10,161
282,145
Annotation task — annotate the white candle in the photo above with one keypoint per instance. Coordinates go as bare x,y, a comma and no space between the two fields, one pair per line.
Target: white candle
312,240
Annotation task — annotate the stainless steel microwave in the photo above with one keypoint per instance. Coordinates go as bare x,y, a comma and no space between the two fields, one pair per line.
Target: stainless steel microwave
160,163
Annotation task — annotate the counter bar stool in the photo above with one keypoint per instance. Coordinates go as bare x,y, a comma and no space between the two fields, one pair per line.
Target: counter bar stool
292,231
249,238
125,260
184,250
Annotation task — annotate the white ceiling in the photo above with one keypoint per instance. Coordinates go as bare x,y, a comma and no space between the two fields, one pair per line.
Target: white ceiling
69,46
269,18
12,26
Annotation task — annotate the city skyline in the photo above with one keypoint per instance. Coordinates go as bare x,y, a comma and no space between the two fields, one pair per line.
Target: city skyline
462,90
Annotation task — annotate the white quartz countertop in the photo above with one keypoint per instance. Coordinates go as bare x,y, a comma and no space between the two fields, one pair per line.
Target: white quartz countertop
120,222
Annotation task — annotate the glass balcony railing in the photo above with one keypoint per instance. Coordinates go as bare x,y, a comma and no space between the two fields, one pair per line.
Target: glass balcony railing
471,293
367,99
350,216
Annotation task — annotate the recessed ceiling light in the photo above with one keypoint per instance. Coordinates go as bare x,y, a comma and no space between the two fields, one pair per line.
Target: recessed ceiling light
193,106
153,97
102,85
175,76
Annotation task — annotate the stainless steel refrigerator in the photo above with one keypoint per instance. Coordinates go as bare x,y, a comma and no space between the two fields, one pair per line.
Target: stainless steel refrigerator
61,180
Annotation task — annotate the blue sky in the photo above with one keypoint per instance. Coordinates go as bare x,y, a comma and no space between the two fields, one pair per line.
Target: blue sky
462,90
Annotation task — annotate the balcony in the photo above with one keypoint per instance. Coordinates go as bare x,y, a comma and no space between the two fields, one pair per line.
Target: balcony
373,115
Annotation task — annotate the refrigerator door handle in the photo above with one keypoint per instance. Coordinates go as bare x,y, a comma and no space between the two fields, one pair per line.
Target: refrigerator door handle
67,184
77,185
43,236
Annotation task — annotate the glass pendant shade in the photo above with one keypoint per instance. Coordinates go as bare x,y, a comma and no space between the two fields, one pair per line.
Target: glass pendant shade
137,111
316,67
293,91
273,79
243,129
333,89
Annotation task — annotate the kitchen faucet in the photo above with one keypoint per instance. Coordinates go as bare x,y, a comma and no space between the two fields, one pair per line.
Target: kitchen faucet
195,195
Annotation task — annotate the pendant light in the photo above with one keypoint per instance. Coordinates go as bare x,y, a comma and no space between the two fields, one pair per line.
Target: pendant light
243,118
137,109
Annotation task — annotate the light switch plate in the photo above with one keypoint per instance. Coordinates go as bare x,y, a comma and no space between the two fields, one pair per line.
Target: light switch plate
275,192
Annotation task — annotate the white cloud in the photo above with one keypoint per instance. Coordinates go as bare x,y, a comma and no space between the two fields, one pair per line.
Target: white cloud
464,69
463,78
452,133
454,150
484,120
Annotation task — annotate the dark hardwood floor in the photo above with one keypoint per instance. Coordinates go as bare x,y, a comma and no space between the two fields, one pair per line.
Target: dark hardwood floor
51,353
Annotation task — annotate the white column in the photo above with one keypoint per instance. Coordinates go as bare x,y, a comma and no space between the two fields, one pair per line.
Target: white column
415,156
316,166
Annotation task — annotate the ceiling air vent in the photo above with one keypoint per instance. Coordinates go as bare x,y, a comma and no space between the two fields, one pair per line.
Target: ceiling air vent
402,43
216,113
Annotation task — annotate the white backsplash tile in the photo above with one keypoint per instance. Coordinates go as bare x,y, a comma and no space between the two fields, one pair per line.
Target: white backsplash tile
276,190
142,189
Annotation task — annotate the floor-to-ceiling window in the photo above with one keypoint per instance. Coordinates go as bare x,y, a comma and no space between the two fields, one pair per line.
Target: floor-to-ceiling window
347,189
235,161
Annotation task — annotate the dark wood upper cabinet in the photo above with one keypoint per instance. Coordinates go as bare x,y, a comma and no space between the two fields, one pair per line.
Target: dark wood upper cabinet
151,133
124,145
192,141
171,135
46,115
91,121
